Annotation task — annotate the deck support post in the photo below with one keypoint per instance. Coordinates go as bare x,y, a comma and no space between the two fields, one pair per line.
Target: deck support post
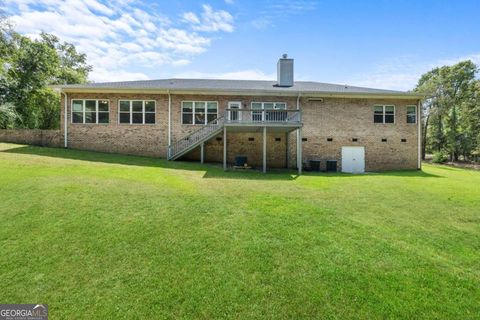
225,148
202,152
287,153
264,149
299,150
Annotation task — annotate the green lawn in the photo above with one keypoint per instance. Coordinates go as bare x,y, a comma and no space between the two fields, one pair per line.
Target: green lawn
108,236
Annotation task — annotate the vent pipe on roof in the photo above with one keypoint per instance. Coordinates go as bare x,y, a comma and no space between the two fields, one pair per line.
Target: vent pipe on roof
285,71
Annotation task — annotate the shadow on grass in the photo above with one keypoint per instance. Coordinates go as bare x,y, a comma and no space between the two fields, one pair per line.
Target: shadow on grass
213,171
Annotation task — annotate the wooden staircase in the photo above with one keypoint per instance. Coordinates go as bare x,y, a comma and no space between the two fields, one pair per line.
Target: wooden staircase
196,138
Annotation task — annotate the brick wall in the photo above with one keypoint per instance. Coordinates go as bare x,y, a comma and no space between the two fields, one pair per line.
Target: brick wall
240,143
343,120
137,139
339,119
45,138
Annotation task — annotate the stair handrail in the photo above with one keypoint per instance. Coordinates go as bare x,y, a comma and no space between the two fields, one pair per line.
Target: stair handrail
194,137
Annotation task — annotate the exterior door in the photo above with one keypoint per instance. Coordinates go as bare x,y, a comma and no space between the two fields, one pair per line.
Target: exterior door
353,159
232,114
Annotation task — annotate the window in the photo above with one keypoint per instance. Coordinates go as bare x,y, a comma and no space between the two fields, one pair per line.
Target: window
199,112
257,113
90,111
136,111
411,114
384,114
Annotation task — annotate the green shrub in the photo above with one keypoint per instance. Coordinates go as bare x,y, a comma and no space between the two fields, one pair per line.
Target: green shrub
439,157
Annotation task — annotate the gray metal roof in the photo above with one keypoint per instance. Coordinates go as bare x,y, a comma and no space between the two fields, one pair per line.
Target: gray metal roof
234,85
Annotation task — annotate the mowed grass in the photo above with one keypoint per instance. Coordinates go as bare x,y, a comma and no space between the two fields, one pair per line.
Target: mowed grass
99,236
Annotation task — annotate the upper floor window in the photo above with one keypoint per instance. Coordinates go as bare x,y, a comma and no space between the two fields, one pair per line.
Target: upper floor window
199,112
136,111
384,114
90,111
411,114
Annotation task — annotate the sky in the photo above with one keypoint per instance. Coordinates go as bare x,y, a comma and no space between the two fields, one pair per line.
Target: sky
373,43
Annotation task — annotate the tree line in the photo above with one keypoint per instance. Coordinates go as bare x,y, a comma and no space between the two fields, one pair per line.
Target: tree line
451,109
451,112
27,69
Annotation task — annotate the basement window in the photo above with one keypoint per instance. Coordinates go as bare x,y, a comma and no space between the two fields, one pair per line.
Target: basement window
354,139
411,114
304,139
278,139
199,112
384,140
404,140
251,139
329,139
136,111
384,114
90,111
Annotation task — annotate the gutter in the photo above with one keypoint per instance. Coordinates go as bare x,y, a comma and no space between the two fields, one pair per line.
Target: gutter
419,122
299,140
65,119
206,91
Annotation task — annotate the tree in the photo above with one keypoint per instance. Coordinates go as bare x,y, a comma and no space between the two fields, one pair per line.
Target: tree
73,67
450,90
8,116
28,67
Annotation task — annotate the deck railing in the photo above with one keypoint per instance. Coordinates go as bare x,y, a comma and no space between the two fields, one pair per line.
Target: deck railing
254,116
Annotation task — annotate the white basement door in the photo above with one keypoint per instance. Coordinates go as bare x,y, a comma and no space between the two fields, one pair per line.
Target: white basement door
353,159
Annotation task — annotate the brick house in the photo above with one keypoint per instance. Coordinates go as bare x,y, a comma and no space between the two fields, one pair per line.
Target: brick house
274,124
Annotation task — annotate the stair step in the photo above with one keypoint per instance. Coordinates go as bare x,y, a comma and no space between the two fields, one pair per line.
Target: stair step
191,141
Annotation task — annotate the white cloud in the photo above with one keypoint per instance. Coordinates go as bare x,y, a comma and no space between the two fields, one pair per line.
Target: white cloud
402,73
182,41
191,17
181,62
234,75
104,75
279,10
475,58
97,6
211,20
119,36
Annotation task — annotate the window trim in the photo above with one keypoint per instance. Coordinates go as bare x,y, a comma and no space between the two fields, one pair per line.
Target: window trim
263,107
193,112
130,112
384,114
239,113
416,113
274,104
83,111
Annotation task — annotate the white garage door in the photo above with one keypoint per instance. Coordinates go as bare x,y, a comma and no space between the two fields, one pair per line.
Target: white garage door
353,159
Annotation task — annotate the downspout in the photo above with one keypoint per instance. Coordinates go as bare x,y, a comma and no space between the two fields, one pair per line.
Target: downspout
169,123
298,131
419,122
65,120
